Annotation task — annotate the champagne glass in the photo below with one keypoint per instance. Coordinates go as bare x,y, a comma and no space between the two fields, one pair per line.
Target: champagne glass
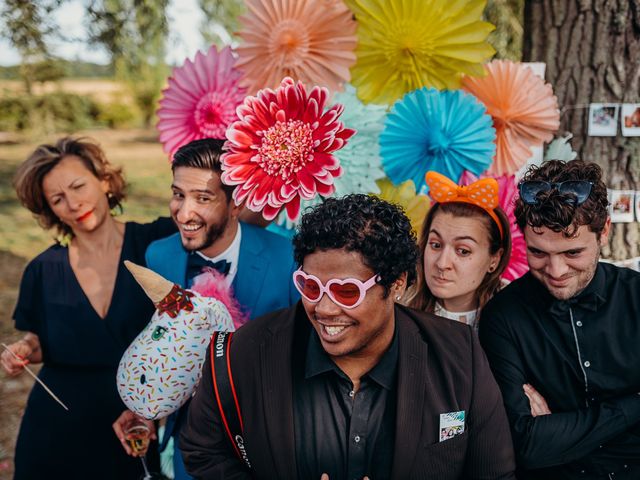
138,435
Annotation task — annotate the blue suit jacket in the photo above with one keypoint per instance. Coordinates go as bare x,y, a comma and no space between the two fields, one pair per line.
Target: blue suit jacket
262,283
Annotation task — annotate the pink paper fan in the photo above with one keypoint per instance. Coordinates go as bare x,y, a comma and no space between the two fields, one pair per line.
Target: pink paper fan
281,149
524,111
507,193
201,99
309,40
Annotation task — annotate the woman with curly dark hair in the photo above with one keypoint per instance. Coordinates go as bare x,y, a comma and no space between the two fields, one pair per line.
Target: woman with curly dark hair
80,309
348,383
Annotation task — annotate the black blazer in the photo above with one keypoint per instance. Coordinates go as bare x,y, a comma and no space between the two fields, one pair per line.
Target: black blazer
441,368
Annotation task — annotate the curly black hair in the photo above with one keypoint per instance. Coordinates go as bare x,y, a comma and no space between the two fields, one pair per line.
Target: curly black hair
378,230
555,210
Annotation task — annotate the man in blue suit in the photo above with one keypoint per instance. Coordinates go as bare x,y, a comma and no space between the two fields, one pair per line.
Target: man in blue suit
258,264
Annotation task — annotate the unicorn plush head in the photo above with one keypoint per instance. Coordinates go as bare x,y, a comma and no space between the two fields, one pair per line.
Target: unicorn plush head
161,368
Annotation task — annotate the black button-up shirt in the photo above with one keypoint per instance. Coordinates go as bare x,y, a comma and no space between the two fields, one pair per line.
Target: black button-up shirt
340,432
583,357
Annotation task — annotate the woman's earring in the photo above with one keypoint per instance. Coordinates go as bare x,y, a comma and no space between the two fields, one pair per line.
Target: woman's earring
117,209
398,297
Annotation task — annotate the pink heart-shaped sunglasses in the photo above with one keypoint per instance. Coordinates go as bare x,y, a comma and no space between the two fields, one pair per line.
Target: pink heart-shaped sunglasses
348,293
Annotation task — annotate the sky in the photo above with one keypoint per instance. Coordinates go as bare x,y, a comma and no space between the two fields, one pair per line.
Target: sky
184,35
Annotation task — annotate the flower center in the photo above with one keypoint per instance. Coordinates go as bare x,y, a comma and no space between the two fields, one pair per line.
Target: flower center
289,42
213,114
286,148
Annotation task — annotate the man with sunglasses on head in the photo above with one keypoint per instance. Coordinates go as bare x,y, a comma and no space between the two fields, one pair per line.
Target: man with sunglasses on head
348,384
563,341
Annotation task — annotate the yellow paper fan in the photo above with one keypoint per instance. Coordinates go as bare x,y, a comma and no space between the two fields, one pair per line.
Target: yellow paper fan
415,206
404,45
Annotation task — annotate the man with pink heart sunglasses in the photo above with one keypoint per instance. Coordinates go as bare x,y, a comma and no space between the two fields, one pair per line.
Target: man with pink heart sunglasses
348,383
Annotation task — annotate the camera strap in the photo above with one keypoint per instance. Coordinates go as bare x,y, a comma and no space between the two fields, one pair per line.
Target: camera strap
225,393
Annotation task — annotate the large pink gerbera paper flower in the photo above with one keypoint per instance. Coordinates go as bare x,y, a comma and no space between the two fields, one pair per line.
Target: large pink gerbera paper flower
280,151
201,99
507,194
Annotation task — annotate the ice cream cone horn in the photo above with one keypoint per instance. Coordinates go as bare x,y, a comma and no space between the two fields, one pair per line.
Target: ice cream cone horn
155,286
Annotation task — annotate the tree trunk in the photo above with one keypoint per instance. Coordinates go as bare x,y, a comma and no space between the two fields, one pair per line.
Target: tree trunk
592,52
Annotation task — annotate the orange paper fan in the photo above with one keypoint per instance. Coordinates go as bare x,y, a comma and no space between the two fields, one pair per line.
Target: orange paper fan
312,41
524,111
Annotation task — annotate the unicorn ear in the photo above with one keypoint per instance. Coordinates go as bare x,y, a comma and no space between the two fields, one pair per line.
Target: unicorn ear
155,286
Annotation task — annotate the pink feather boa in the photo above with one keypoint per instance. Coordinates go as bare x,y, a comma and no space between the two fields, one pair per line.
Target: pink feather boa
211,283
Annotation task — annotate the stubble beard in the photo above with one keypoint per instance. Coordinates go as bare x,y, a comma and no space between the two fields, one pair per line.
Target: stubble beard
213,233
583,282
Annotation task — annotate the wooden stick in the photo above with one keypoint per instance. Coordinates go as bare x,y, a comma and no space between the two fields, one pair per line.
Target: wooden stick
47,389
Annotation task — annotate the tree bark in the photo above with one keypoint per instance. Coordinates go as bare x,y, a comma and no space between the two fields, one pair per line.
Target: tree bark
592,52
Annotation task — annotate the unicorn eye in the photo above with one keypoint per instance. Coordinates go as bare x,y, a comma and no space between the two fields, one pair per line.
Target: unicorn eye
158,333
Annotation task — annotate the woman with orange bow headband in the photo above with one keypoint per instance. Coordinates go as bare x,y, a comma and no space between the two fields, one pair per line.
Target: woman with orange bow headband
466,244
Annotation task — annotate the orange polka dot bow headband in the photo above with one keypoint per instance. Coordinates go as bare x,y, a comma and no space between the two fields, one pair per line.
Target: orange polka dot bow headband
483,193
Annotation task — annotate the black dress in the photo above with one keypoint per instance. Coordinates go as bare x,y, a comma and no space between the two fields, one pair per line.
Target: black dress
81,352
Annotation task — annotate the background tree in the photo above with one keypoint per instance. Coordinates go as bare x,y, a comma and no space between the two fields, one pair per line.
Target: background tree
220,20
592,52
134,33
506,15
28,27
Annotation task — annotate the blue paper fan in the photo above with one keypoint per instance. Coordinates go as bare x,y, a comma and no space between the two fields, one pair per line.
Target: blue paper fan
445,131
359,159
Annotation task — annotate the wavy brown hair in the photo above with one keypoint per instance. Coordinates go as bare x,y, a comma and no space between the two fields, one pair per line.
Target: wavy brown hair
30,174
420,297
558,211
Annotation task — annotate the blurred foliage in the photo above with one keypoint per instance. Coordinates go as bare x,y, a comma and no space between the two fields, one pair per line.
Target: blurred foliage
15,113
508,17
116,115
134,33
72,68
62,112
51,112
28,26
48,70
221,20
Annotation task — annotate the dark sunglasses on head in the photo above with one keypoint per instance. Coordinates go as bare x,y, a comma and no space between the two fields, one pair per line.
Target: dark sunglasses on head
579,189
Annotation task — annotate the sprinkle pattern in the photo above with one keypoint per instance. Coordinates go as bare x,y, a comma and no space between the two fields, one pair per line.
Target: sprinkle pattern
158,373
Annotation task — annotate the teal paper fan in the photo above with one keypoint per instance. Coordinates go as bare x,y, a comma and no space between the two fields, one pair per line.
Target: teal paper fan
445,131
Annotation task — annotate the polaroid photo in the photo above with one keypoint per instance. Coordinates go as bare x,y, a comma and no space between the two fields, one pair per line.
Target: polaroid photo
630,119
622,206
603,119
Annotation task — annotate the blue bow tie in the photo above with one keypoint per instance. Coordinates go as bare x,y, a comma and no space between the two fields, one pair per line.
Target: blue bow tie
195,264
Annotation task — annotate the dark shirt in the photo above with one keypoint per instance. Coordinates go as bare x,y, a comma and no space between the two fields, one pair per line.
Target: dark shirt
583,357
344,434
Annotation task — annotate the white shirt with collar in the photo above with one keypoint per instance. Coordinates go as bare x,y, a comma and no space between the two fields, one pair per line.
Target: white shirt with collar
231,255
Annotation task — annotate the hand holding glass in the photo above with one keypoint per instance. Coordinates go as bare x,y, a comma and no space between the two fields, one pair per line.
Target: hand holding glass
138,435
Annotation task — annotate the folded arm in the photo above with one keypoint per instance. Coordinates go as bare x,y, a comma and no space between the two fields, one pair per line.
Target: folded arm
559,437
